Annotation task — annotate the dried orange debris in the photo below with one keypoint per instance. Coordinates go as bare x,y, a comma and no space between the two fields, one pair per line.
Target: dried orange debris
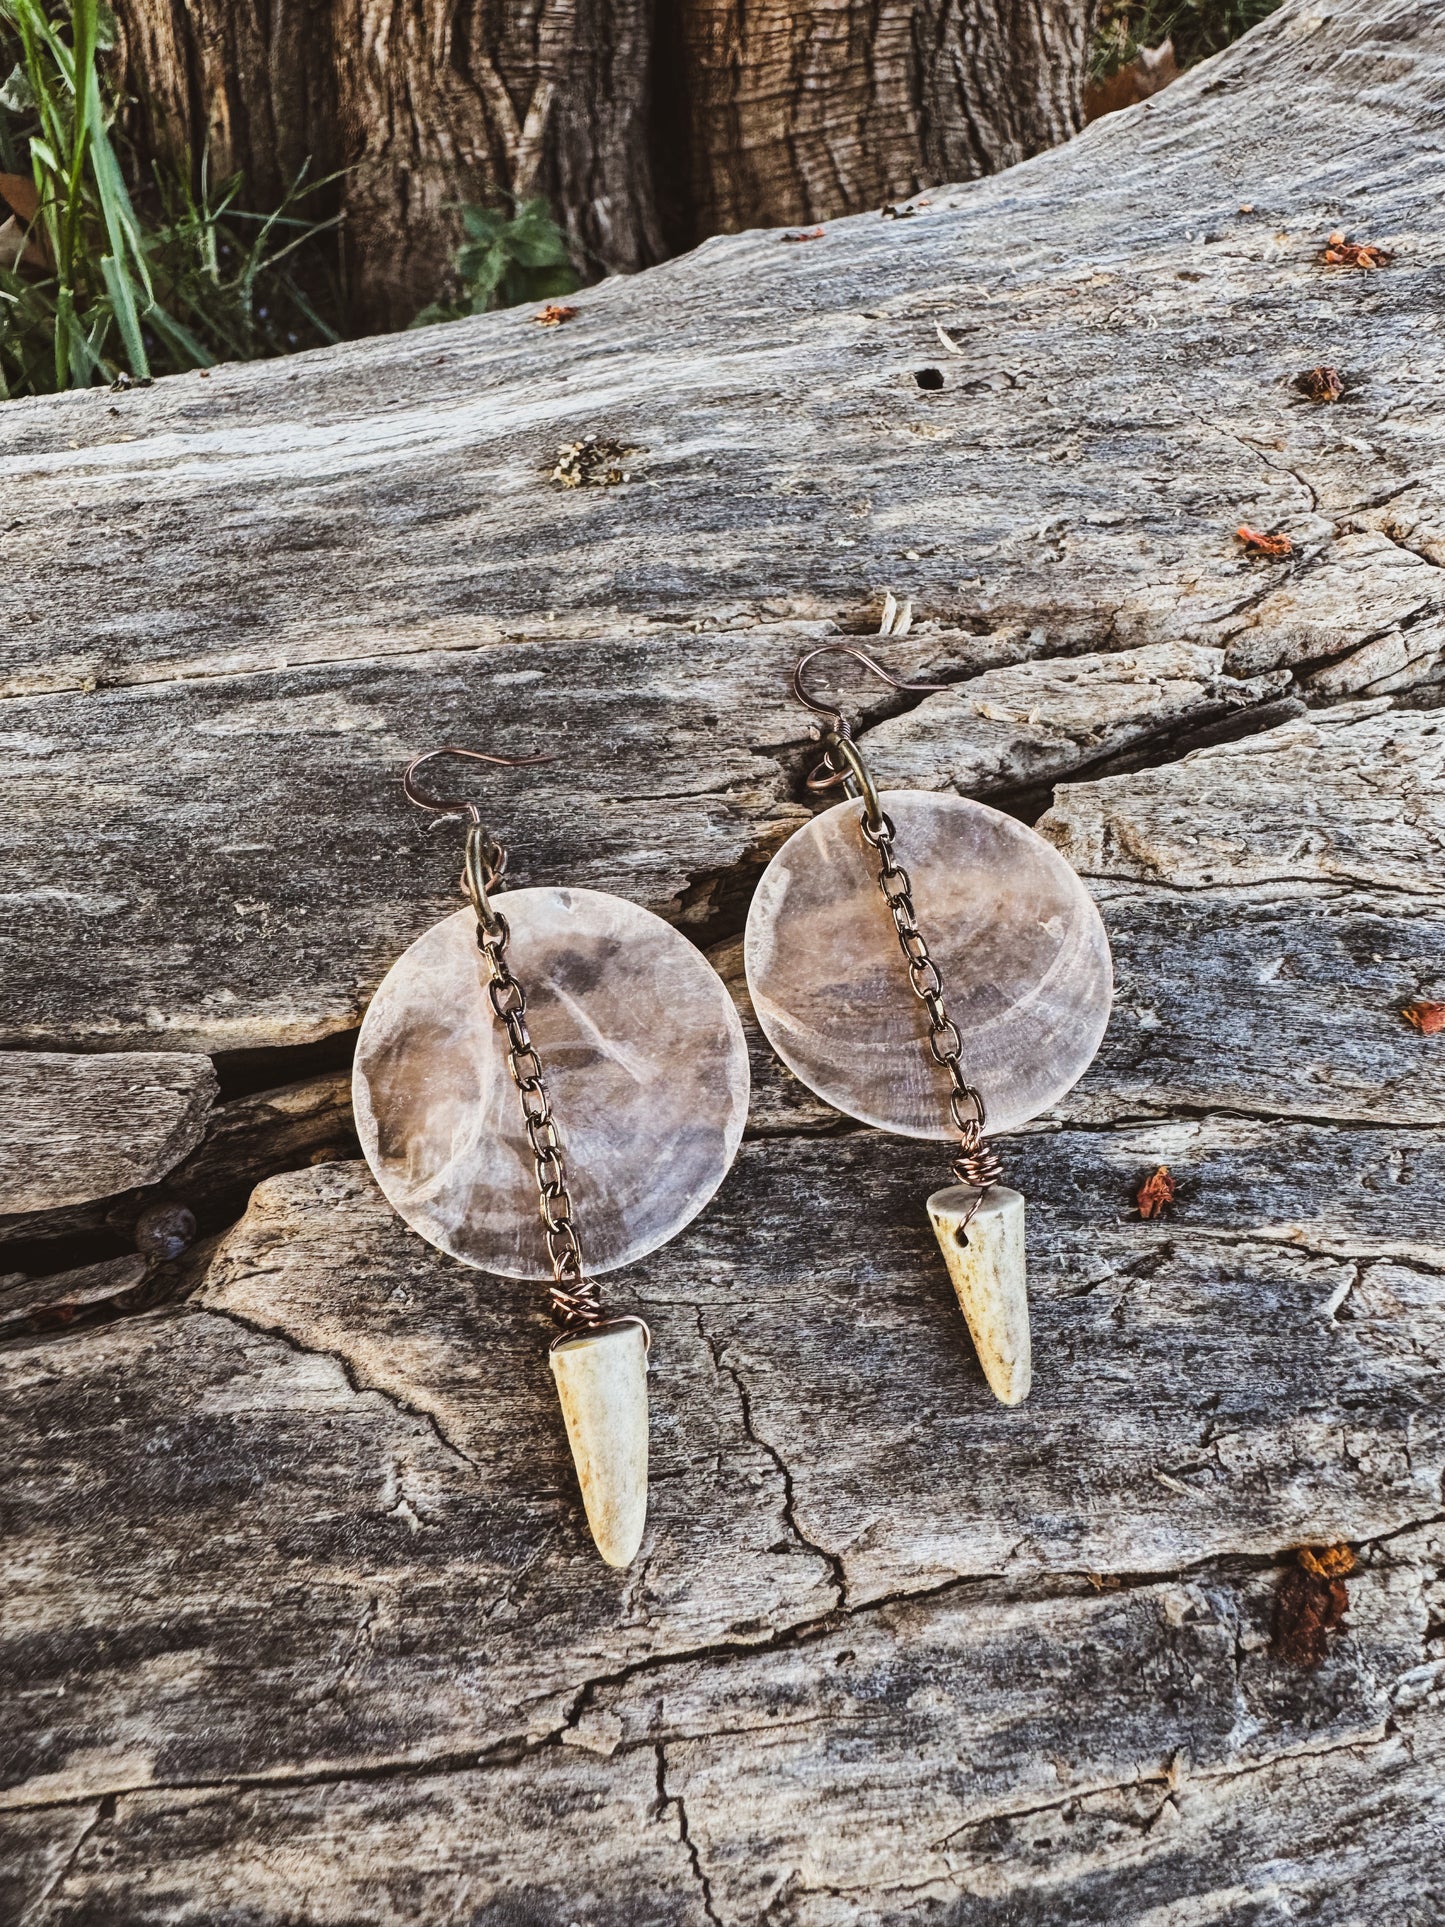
1428,1019
553,315
1311,1604
1258,543
1320,384
1326,1562
805,234
19,194
1338,252
1156,1194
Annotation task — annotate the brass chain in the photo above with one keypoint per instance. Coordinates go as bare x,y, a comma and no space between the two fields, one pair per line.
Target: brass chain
975,1163
575,1298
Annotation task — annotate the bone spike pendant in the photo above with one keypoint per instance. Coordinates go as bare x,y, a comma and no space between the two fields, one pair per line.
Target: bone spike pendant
986,1264
602,1382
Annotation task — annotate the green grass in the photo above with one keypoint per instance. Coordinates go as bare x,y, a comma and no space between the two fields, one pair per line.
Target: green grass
118,282
1198,28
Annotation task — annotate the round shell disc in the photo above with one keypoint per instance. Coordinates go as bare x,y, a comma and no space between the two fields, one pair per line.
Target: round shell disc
643,1056
1016,937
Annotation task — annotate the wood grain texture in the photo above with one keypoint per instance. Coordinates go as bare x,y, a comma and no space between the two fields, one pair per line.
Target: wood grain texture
74,1128
1280,896
302,1623
929,1761
274,879
1216,1386
378,523
805,112
1109,422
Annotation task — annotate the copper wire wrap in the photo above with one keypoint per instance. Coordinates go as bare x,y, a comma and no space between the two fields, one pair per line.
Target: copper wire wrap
976,1162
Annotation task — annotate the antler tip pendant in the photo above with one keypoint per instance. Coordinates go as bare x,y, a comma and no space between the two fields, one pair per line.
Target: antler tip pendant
982,1240
599,1362
602,1382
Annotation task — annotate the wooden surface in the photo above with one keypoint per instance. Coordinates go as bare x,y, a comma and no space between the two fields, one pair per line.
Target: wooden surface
301,1622
74,1128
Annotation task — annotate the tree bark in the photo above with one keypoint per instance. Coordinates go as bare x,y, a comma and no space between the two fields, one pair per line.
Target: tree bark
646,126
302,1622
244,87
800,113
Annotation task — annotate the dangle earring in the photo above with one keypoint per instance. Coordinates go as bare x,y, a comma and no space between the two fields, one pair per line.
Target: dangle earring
1011,992
621,1041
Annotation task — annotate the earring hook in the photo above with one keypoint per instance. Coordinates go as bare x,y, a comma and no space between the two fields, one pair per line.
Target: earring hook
486,859
459,805
843,765
870,663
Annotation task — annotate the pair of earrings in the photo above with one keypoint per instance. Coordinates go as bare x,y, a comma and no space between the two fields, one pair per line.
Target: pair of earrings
590,1009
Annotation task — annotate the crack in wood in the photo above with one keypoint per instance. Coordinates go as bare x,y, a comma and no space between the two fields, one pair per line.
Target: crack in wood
831,1561
988,1589
673,1804
363,1388
105,1808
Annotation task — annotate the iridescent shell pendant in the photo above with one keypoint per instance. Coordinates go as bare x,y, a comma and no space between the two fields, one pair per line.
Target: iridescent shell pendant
1008,962
610,1080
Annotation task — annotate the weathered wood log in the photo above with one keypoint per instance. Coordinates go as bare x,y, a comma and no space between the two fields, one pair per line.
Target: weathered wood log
300,1606
23,1298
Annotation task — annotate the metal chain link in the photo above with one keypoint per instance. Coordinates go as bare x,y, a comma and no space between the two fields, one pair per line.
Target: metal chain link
575,1299
975,1163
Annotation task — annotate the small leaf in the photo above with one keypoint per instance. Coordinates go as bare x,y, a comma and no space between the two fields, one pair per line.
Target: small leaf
1428,1019
482,223
1258,543
17,96
507,260
482,262
1156,1194
1320,384
535,240
19,193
